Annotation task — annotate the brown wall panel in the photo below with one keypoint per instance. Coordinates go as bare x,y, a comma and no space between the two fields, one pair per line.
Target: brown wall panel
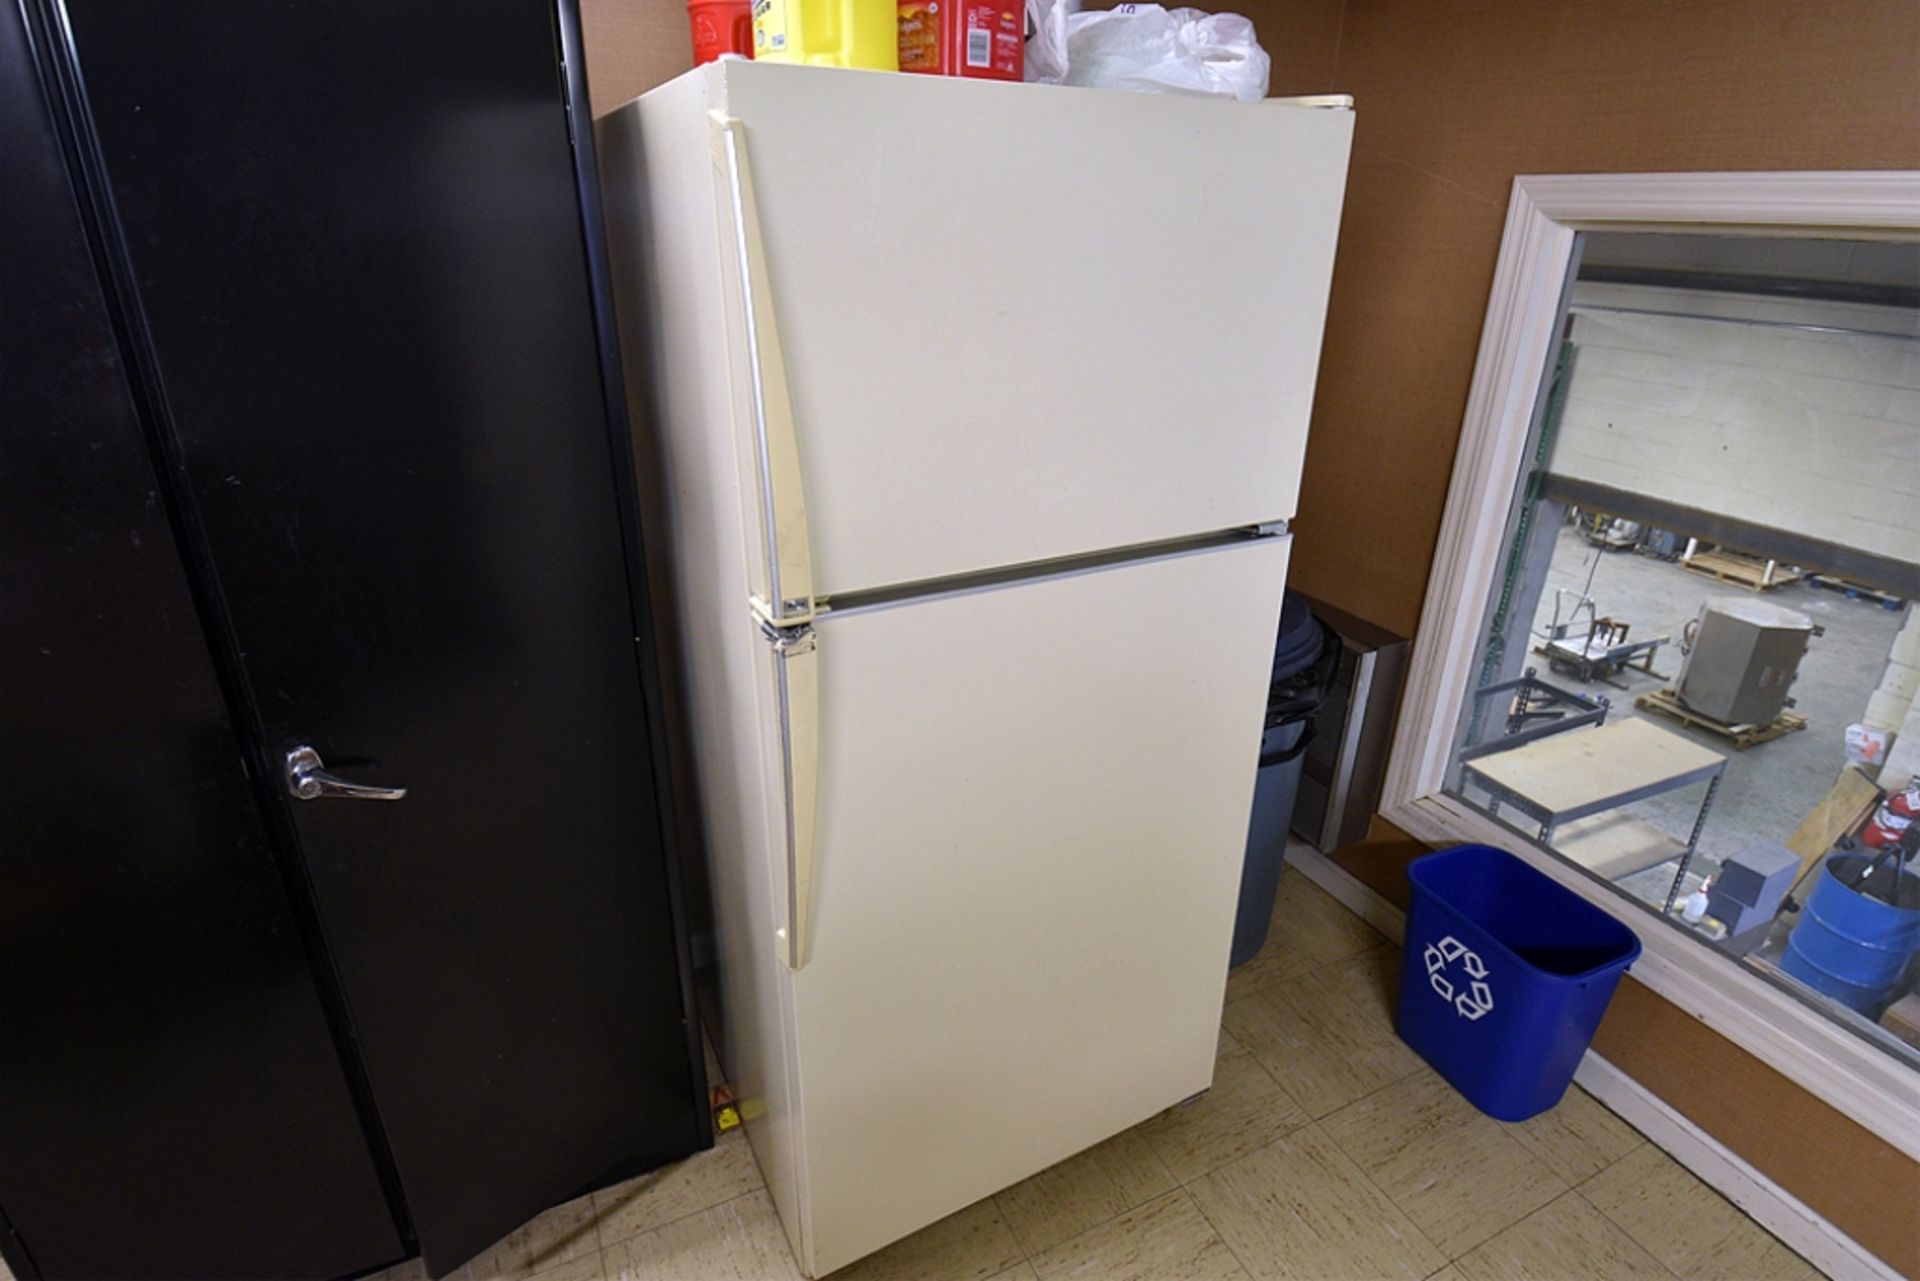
1826,1158
1380,861
1455,97
633,45
1302,37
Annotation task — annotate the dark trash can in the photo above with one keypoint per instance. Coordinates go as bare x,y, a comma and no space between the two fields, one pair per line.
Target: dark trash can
1304,654
1504,977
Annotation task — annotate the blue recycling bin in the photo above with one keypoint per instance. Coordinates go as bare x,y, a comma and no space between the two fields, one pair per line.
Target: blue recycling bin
1504,978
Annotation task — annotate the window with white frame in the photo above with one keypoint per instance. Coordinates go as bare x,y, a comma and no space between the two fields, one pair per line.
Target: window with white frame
1694,674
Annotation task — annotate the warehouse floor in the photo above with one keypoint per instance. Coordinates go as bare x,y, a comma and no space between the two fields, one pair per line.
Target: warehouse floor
1769,787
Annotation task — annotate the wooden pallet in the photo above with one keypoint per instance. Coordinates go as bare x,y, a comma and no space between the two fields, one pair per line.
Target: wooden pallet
1855,591
1741,571
1666,703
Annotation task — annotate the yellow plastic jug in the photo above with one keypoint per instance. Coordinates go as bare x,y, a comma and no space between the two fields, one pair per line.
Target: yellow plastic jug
830,33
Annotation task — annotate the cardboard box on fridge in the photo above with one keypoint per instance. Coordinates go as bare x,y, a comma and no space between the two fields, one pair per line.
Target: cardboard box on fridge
982,39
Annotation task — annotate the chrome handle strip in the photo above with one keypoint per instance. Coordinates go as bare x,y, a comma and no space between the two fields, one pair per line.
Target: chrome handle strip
796,692
783,513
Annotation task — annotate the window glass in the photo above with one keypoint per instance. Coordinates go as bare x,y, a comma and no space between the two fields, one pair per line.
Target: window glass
1701,651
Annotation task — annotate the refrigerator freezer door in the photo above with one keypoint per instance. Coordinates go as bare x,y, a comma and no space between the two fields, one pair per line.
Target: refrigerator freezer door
1032,815
1023,322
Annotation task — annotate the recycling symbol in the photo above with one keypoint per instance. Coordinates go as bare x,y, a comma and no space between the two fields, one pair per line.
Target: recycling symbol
1477,999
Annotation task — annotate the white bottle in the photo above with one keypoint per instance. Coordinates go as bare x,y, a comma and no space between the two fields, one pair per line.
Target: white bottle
1694,907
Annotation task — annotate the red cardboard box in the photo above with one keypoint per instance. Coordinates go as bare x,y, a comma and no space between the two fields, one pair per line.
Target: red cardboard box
979,38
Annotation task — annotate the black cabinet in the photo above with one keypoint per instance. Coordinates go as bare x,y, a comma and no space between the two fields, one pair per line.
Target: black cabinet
309,439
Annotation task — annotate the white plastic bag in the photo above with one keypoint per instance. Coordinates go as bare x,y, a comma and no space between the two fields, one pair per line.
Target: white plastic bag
1145,48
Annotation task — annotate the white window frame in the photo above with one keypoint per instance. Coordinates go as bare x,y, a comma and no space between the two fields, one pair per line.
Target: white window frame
1519,339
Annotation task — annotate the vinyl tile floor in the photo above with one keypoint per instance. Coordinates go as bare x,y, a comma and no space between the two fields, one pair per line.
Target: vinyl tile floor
1324,1150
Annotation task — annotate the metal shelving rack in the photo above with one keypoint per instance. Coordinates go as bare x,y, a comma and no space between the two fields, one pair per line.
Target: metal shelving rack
1573,785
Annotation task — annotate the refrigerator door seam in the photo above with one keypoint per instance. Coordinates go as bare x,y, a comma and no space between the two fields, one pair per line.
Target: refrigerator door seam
895,595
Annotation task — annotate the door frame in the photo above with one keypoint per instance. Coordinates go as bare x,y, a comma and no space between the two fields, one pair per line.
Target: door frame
649,666
1544,216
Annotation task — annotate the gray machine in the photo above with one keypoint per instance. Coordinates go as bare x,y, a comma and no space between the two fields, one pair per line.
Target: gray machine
1742,658
1746,892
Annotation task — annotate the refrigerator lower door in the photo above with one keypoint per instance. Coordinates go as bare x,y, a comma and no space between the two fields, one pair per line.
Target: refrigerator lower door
1032,810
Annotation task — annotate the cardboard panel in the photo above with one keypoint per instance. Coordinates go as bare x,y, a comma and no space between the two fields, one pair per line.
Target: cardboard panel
632,45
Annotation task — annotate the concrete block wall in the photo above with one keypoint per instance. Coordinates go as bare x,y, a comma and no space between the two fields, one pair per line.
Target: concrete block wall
1902,765
1812,432
1900,684
1895,705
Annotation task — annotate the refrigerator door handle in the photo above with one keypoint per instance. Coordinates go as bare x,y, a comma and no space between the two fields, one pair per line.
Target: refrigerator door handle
788,599
797,691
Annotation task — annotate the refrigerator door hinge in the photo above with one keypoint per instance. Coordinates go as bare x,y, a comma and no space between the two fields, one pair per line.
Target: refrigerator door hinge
789,640
1322,101
796,613
1272,529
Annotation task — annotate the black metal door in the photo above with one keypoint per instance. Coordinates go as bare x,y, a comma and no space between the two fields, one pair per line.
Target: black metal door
357,237
171,1100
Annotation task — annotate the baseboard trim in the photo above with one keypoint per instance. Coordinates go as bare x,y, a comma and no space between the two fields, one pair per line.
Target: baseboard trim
1719,1167
1356,896
1790,1219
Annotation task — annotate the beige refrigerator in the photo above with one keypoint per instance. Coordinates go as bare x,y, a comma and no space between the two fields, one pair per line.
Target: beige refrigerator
976,412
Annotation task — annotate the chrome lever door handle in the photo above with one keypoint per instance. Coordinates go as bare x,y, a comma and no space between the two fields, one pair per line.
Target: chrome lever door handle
308,780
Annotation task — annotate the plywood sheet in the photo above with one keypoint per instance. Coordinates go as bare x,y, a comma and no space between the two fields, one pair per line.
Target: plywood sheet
1837,814
1616,844
1582,767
